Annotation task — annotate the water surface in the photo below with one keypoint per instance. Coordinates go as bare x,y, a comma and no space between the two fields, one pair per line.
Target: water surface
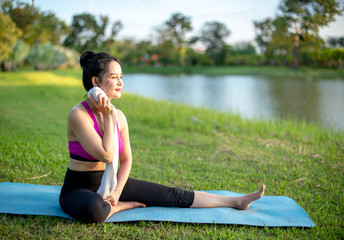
316,100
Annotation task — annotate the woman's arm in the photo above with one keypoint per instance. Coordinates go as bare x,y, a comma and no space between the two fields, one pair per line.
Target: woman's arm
125,157
81,126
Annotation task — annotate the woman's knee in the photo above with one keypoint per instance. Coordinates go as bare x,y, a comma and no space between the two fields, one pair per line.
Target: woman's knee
94,212
85,206
182,198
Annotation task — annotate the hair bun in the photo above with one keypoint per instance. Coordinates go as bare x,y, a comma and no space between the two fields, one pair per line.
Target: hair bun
85,57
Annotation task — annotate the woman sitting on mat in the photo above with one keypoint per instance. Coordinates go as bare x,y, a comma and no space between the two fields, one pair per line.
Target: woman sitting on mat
91,134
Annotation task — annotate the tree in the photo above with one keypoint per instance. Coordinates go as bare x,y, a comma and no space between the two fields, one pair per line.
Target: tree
8,36
178,25
336,42
196,57
24,16
86,32
332,57
264,30
36,26
213,36
340,41
167,51
242,47
306,17
110,44
89,33
278,51
241,53
145,51
50,29
310,49
115,29
172,35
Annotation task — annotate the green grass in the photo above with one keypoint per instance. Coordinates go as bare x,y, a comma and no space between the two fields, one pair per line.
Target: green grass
172,144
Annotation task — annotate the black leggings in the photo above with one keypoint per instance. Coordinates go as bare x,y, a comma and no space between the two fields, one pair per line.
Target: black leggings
80,200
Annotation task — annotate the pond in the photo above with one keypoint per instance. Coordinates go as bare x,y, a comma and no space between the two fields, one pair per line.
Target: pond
314,100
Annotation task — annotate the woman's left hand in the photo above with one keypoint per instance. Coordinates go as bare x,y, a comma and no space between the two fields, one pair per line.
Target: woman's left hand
114,198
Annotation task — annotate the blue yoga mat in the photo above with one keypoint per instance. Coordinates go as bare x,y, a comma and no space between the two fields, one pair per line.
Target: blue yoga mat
271,211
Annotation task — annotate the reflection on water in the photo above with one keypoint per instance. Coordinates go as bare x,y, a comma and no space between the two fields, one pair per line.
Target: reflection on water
313,100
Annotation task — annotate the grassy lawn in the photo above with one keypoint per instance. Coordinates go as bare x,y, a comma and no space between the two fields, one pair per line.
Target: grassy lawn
172,144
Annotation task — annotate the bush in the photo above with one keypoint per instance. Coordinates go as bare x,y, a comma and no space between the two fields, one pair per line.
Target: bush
72,57
332,58
48,56
245,59
17,55
8,36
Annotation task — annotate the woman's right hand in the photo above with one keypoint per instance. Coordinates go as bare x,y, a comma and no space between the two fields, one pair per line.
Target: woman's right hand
103,104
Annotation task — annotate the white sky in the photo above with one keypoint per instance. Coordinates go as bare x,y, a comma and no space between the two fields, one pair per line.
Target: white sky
139,17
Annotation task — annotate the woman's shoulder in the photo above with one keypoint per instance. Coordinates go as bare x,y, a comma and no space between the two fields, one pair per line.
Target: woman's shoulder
122,120
77,111
119,113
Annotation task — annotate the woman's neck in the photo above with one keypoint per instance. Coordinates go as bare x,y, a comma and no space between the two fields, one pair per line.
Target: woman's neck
93,108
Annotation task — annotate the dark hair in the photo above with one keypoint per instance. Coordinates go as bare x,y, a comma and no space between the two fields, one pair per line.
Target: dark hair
94,65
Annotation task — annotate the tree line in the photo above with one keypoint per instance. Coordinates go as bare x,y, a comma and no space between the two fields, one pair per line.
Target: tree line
291,38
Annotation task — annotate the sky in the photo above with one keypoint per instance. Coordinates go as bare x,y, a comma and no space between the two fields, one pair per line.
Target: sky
140,17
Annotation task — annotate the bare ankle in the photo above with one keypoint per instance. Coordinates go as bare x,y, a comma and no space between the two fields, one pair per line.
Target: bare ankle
244,202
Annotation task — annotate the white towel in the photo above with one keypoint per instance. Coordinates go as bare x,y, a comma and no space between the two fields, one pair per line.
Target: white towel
109,180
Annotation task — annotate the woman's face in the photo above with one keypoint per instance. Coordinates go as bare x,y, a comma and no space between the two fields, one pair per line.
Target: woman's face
112,83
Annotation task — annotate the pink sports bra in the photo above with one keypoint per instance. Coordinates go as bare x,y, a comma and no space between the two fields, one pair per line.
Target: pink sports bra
77,152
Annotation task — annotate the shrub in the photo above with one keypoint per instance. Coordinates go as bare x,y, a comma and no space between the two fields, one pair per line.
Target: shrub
48,56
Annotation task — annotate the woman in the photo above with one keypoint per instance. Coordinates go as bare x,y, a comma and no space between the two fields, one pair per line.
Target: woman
91,128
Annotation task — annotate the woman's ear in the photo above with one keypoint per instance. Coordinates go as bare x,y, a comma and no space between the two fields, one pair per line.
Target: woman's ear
95,82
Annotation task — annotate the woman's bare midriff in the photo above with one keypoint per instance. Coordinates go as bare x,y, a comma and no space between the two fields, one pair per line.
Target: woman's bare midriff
82,166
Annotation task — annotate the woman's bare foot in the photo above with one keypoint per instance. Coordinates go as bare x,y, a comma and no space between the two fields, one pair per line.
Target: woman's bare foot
244,202
128,205
121,206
